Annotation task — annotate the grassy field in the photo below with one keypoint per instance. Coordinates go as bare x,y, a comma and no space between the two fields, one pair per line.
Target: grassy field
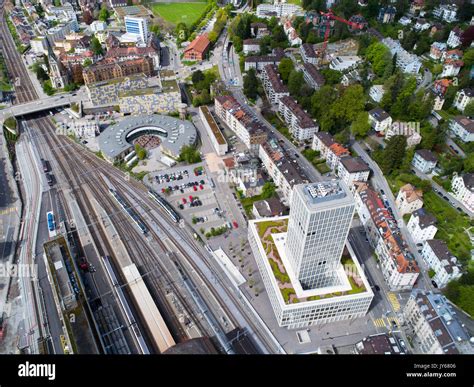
179,12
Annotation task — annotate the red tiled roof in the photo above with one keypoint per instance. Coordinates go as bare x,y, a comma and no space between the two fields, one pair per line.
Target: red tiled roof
199,44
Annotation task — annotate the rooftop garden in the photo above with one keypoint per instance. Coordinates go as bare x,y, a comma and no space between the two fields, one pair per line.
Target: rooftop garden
265,230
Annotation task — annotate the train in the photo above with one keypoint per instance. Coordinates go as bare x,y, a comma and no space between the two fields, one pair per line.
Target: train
128,209
51,221
165,206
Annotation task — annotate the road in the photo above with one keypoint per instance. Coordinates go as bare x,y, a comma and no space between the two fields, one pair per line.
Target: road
442,193
380,183
229,70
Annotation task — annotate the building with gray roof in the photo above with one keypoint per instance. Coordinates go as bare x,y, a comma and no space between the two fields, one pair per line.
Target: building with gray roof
117,140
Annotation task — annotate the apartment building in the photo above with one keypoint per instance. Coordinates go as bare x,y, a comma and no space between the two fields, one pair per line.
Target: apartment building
454,38
409,199
376,93
463,189
308,54
258,62
351,169
462,127
217,138
463,98
251,46
407,62
312,76
300,124
284,172
437,49
399,268
436,254
379,119
246,127
424,160
434,325
422,226
273,85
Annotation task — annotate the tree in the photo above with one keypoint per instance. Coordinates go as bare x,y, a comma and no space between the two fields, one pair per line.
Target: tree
469,163
197,76
469,109
295,81
87,62
96,47
331,77
190,154
104,13
391,158
346,108
268,190
285,67
379,55
251,84
360,126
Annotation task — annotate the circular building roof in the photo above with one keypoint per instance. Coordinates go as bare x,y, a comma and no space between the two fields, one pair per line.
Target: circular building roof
174,133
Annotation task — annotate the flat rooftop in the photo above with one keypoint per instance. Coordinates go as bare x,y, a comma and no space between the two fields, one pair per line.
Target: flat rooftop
270,232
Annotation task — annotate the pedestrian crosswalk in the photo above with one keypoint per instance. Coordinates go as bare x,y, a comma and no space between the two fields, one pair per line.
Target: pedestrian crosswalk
392,297
390,323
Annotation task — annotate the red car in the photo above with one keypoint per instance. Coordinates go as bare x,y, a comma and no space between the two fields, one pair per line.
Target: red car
190,198
163,190
201,187
235,224
195,188
184,200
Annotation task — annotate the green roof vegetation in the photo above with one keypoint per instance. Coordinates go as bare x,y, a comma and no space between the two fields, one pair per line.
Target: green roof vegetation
265,230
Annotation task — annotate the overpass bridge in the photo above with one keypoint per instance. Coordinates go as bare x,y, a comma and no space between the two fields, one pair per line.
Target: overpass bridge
42,105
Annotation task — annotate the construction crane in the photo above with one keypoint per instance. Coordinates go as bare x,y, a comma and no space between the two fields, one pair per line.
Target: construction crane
331,16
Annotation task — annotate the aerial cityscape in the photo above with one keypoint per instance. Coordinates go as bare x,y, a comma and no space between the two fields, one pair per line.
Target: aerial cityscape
232,177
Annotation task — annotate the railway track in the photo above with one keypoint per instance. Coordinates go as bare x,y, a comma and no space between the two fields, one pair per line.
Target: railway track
145,256
118,178
24,89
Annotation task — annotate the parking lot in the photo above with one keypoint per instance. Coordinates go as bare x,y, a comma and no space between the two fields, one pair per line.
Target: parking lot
189,191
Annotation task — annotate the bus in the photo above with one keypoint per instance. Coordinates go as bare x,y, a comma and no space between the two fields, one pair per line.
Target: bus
51,222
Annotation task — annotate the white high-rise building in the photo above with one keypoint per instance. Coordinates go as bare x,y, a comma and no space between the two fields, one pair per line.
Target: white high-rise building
308,275
321,215
137,26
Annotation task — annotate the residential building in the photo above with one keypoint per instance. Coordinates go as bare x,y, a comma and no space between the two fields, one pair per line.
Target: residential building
198,48
251,46
312,76
137,26
322,141
279,10
320,218
463,98
436,254
435,326
121,54
451,68
440,86
291,33
118,3
422,225
217,139
284,172
399,268
259,62
97,26
246,127
452,55
421,25
446,12
409,199
268,208
437,49
308,54
273,85
259,30
300,124
387,14
350,77
335,154
454,38
379,344
344,63
39,45
410,130
351,169
376,93
407,62
463,189
424,160
379,119
462,127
